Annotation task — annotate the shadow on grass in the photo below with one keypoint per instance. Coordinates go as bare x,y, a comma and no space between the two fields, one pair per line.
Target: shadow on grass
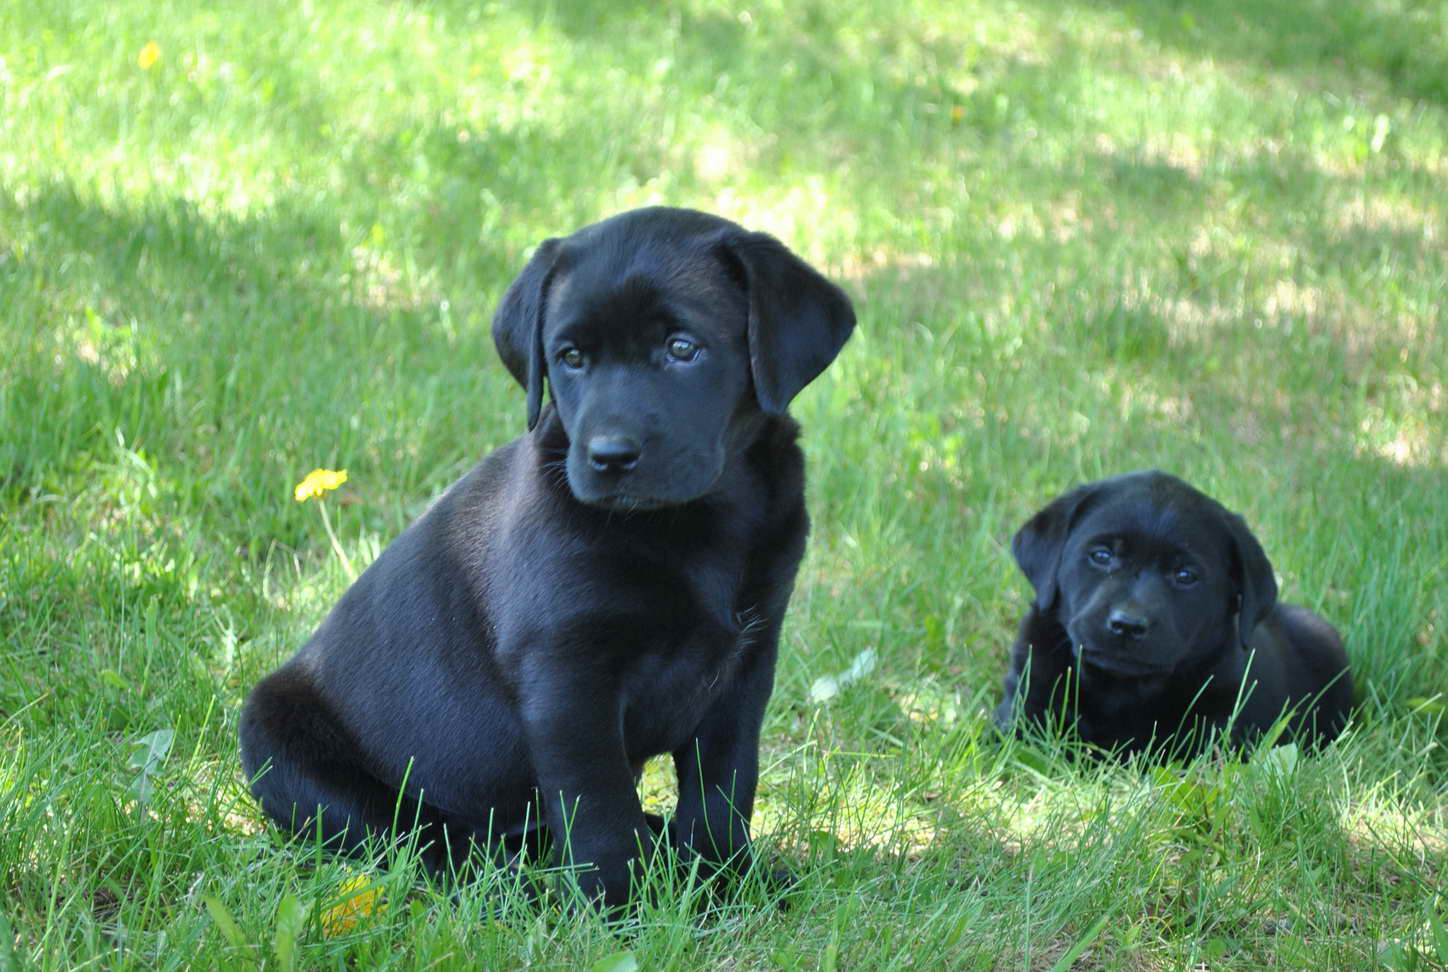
1402,45
233,353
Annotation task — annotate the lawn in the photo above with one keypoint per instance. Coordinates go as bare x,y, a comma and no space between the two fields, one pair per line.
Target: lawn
238,242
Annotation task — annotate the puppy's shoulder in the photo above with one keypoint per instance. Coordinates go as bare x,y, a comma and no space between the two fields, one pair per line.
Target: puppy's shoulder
777,457
501,498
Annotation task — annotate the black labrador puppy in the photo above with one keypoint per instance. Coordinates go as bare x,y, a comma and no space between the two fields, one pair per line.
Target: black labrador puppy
1156,618
607,588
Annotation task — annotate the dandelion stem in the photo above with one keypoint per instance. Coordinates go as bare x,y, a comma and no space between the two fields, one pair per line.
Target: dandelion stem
336,547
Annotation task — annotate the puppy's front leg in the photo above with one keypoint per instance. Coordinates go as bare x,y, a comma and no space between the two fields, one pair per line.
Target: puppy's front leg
718,768
1036,687
590,804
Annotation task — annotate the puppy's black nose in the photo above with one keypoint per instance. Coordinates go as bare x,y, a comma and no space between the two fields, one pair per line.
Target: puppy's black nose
1126,624
613,453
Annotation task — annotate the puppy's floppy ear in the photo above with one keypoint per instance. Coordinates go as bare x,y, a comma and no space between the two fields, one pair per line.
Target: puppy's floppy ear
798,320
1037,545
518,326
1252,572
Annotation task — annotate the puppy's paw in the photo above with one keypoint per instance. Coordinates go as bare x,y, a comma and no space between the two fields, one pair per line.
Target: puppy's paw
756,879
781,883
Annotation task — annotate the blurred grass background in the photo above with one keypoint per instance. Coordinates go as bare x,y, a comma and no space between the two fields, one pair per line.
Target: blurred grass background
1083,237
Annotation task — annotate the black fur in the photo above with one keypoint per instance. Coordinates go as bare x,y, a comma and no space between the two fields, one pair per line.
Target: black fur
607,588
1155,611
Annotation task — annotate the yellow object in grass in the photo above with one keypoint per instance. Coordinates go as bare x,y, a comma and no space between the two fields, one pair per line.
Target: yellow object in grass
149,55
319,481
358,899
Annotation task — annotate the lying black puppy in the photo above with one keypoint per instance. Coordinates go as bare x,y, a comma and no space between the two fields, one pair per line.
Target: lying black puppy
604,589
1155,613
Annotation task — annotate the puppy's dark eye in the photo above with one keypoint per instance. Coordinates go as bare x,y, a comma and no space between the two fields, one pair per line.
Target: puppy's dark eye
1101,557
682,349
1184,577
571,358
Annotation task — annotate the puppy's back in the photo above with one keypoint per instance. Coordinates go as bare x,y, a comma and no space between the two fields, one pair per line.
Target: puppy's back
1322,673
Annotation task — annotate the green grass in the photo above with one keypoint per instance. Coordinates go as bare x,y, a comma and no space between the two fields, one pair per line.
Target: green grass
1082,237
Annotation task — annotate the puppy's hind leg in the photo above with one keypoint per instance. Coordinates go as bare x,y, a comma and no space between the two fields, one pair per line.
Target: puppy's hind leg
303,768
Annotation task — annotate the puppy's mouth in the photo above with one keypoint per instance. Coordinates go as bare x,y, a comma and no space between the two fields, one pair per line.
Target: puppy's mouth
640,490
1121,665
626,503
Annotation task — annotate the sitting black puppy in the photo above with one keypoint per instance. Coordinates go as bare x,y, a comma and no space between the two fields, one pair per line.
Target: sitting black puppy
607,588
1156,618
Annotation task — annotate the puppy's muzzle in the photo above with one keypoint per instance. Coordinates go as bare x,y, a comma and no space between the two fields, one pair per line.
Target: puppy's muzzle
613,453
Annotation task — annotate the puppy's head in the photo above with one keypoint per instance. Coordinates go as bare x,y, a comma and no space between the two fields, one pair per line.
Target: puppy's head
664,335
1146,574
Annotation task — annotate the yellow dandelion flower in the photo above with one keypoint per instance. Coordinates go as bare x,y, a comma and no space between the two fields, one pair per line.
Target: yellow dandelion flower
357,899
149,55
319,481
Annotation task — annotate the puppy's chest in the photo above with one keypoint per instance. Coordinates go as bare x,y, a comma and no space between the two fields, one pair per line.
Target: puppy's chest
1131,713
671,684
